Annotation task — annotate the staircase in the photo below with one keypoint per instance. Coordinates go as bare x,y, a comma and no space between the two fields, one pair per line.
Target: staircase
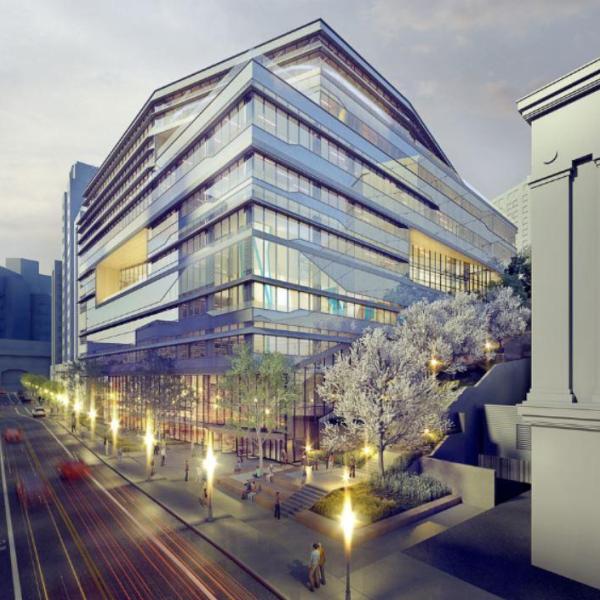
301,500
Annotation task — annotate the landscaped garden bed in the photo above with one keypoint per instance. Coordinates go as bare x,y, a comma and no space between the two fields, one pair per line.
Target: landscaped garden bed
384,496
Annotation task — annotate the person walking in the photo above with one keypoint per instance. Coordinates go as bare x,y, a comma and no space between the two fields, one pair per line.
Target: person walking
304,475
152,468
187,470
277,507
322,559
105,445
163,455
352,467
313,568
73,422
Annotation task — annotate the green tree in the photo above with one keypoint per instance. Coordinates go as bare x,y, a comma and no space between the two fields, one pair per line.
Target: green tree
257,393
517,275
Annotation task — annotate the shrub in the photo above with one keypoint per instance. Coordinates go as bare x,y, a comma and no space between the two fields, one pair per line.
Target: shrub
408,489
383,497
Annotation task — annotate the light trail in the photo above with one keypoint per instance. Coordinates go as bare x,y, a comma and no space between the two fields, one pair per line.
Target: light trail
11,538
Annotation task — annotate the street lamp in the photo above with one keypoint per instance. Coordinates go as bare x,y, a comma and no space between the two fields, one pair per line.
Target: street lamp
348,521
92,415
210,462
149,442
114,427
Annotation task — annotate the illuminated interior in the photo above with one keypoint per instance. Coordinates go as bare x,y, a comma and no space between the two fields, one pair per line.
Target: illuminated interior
123,267
439,267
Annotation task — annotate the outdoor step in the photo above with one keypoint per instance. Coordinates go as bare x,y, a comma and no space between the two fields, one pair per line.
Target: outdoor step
301,500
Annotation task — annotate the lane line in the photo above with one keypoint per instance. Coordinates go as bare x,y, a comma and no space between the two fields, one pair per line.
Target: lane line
11,538
157,542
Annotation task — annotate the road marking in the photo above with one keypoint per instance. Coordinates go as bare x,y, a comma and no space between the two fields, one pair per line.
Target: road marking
11,538
157,542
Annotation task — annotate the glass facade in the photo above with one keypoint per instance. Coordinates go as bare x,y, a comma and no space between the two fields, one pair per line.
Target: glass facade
233,212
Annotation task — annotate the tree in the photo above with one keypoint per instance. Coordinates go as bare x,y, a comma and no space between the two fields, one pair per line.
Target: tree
505,314
385,388
382,394
451,331
257,393
517,275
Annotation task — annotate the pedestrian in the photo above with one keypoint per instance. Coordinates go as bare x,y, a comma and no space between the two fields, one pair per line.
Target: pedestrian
105,445
119,455
151,468
73,422
322,559
156,449
277,507
352,467
187,470
313,568
163,455
252,493
270,473
304,475
257,473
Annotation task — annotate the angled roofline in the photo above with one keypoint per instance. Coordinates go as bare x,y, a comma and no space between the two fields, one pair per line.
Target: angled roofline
315,26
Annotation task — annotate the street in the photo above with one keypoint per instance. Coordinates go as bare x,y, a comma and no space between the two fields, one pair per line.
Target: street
99,537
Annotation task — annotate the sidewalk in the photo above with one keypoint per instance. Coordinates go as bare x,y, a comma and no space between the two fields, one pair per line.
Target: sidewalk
279,550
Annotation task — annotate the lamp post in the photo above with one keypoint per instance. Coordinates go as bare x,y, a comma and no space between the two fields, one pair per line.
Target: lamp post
77,406
210,462
114,427
149,443
348,520
92,414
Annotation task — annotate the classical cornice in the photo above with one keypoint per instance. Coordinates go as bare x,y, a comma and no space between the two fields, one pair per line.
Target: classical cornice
573,416
568,88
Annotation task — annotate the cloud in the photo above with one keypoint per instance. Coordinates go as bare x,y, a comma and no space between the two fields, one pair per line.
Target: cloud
74,74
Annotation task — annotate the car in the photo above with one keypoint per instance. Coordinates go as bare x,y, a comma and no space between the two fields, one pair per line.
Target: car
72,470
13,435
32,490
38,411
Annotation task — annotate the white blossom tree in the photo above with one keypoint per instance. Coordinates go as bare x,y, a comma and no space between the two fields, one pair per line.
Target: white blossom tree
382,394
383,390
506,316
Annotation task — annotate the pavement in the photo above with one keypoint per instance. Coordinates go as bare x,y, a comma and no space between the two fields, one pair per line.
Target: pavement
278,550
492,551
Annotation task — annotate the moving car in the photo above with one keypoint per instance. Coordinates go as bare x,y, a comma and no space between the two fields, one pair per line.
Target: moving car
38,411
72,470
13,435
32,490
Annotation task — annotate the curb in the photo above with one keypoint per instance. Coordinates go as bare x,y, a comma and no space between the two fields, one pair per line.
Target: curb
177,516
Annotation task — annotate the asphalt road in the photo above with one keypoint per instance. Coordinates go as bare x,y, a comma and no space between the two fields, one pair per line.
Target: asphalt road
100,537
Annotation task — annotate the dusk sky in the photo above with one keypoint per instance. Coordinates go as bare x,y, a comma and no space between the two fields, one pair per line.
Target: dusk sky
74,74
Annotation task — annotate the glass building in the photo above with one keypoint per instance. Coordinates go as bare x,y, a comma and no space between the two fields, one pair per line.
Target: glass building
288,198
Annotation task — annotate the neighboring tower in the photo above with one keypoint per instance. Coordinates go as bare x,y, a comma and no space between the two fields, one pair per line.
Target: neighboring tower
57,306
24,321
514,204
79,177
563,406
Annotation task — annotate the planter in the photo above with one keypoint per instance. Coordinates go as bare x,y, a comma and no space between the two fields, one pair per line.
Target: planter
364,533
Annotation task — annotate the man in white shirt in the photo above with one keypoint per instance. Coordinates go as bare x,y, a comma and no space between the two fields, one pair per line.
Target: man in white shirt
313,568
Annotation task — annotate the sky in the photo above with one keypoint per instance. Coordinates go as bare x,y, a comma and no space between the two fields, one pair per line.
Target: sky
73,74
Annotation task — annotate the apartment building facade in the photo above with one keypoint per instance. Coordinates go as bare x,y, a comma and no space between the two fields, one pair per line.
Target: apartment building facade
286,198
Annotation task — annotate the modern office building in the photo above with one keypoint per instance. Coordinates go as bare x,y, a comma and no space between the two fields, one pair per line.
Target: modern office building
56,312
514,204
286,198
80,175
25,321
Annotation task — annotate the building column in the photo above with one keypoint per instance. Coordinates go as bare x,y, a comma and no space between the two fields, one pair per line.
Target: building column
551,366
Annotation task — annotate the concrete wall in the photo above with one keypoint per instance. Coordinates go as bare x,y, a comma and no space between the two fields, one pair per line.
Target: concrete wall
506,384
475,485
22,356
